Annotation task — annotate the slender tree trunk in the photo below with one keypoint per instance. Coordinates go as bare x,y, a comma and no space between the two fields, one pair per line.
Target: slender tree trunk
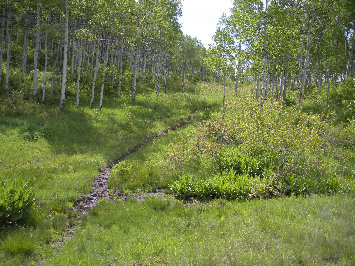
103,77
2,29
54,69
224,96
328,81
35,62
277,87
45,69
236,82
135,74
183,77
73,58
79,73
65,56
157,85
121,67
257,86
285,83
95,74
304,74
24,54
8,55
165,72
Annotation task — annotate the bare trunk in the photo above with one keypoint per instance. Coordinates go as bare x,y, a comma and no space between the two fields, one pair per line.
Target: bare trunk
328,81
79,73
65,57
224,97
72,59
95,74
304,74
2,28
165,72
24,54
54,70
103,78
135,74
8,55
183,77
257,86
121,67
35,62
45,69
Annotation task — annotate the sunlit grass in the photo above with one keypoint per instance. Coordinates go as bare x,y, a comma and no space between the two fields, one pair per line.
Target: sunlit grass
313,230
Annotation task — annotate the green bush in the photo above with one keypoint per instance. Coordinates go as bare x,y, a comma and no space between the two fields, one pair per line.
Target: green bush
16,199
242,161
227,185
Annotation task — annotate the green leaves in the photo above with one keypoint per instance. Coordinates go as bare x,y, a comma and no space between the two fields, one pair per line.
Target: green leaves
16,199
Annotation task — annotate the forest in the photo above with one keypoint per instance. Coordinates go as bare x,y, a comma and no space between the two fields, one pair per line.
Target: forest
126,141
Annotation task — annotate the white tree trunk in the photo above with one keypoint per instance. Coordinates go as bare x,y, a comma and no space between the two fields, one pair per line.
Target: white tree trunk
8,55
54,69
65,56
135,74
2,29
165,72
79,73
257,86
24,54
121,67
183,77
95,74
35,60
72,59
103,77
224,96
303,81
45,69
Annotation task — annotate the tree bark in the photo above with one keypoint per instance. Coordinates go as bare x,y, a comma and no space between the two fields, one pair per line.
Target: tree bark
103,77
54,69
95,74
224,97
45,69
183,77
65,57
24,54
304,74
8,55
135,74
79,73
35,60
121,67
2,29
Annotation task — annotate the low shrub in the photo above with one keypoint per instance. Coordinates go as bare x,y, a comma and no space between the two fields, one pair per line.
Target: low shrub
16,199
227,185
243,161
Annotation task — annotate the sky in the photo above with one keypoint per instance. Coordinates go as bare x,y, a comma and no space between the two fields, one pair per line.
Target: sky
200,17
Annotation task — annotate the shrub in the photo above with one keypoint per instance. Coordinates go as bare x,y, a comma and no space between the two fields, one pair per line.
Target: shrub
227,185
16,199
243,161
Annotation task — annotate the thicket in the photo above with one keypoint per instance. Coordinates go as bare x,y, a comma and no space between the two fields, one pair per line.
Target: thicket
265,152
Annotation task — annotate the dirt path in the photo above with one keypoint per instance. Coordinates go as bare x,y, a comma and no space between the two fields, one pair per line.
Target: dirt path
100,187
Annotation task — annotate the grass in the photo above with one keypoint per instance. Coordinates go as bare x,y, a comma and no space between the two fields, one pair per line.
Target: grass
59,154
312,230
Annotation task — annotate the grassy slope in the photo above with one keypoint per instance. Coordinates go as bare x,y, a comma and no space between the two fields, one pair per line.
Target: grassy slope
283,231
59,154
313,230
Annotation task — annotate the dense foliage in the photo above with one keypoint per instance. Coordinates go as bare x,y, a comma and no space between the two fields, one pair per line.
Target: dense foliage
16,199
